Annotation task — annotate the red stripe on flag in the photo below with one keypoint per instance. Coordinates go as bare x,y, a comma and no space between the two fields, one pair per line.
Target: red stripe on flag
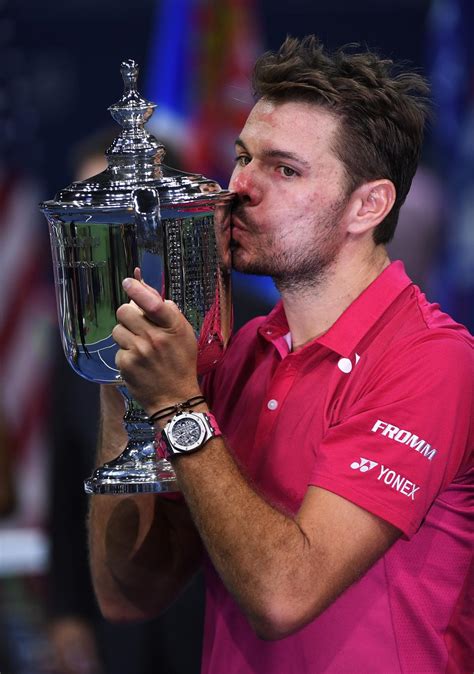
34,412
19,297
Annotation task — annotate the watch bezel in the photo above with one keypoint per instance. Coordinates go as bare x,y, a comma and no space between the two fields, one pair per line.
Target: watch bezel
178,446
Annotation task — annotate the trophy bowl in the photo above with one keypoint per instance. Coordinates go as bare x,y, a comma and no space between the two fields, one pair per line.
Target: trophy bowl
175,226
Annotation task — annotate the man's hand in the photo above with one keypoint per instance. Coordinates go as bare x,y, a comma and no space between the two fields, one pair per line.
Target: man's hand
158,348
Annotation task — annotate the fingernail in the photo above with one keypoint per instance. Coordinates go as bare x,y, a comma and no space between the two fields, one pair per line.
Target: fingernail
126,283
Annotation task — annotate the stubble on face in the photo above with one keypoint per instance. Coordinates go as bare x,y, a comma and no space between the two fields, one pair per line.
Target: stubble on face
294,261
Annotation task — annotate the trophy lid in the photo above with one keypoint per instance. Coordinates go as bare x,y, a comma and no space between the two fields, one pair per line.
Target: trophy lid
135,160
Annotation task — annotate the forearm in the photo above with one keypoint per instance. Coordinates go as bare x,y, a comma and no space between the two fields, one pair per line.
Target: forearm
142,547
258,551
283,570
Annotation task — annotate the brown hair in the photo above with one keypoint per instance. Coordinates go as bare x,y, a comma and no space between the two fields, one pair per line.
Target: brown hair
382,112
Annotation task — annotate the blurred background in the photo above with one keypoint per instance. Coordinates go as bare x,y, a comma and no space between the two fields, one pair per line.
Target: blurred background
59,72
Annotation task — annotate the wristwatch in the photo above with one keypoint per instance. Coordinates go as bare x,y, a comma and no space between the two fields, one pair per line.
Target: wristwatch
187,432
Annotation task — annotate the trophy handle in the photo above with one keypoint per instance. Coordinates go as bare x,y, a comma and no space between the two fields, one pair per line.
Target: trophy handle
146,207
138,468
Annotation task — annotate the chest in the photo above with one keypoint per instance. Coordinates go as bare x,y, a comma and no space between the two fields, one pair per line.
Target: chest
274,414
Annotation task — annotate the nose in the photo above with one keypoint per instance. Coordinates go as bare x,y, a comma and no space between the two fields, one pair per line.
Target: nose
244,182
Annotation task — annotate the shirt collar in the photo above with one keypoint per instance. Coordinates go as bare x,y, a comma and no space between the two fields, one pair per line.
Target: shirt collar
344,335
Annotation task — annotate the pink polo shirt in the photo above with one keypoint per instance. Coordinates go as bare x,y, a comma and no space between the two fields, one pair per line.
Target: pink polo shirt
378,411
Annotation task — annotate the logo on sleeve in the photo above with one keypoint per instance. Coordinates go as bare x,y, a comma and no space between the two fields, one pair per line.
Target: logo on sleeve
398,482
405,438
364,465
388,476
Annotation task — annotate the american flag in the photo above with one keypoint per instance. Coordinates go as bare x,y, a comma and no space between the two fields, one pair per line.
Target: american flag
25,329
26,304
26,321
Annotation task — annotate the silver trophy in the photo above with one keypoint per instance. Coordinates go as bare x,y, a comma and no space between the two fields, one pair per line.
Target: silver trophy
175,226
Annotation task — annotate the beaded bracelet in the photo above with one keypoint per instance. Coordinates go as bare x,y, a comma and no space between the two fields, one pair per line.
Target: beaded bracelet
177,408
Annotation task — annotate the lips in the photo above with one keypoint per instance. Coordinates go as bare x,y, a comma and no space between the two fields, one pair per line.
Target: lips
236,224
237,228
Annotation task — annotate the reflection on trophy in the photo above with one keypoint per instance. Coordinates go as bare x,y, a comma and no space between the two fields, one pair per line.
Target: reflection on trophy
175,227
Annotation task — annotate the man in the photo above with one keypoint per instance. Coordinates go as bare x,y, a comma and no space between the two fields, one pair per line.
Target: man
331,516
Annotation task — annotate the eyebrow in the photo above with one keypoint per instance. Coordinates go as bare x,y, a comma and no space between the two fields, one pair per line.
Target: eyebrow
278,154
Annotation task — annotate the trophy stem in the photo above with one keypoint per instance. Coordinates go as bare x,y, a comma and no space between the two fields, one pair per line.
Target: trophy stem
137,470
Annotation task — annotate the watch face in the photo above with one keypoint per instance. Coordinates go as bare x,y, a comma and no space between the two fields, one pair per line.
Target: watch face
186,433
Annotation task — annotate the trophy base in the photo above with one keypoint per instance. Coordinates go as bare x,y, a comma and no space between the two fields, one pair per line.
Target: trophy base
131,473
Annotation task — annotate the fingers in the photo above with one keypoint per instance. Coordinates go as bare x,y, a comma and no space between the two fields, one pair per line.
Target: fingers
131,317
160,312
156,344
123,337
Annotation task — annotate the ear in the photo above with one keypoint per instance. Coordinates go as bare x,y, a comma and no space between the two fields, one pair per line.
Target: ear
372,202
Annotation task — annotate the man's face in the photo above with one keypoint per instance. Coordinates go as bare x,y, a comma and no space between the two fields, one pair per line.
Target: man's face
291,194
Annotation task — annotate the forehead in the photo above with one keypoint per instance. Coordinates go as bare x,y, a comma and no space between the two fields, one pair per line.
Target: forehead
294,126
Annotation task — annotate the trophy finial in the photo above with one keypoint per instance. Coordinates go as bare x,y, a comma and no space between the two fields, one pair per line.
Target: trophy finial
129,70
132,112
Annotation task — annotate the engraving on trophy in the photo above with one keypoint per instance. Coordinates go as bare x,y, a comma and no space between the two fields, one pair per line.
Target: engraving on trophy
76,242
81,264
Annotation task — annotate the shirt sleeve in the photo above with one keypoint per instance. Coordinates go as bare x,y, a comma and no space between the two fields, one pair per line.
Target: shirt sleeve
407,437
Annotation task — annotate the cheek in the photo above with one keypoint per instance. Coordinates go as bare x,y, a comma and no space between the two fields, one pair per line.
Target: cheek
313,207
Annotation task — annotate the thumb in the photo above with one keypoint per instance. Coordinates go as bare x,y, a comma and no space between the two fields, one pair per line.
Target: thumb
137,275
151,303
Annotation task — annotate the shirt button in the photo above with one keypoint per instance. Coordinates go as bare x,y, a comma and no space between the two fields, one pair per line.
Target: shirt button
272,404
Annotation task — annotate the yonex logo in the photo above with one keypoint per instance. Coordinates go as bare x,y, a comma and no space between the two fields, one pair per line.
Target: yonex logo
388,476
398,482
364,465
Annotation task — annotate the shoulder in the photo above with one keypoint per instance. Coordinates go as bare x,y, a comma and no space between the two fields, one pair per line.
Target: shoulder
416,335
439,323
436,341
422,362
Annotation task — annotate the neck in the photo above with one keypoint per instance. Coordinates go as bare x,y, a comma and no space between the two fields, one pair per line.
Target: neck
311,310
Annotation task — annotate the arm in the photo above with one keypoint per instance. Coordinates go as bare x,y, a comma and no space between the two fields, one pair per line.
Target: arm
282,570
143,548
